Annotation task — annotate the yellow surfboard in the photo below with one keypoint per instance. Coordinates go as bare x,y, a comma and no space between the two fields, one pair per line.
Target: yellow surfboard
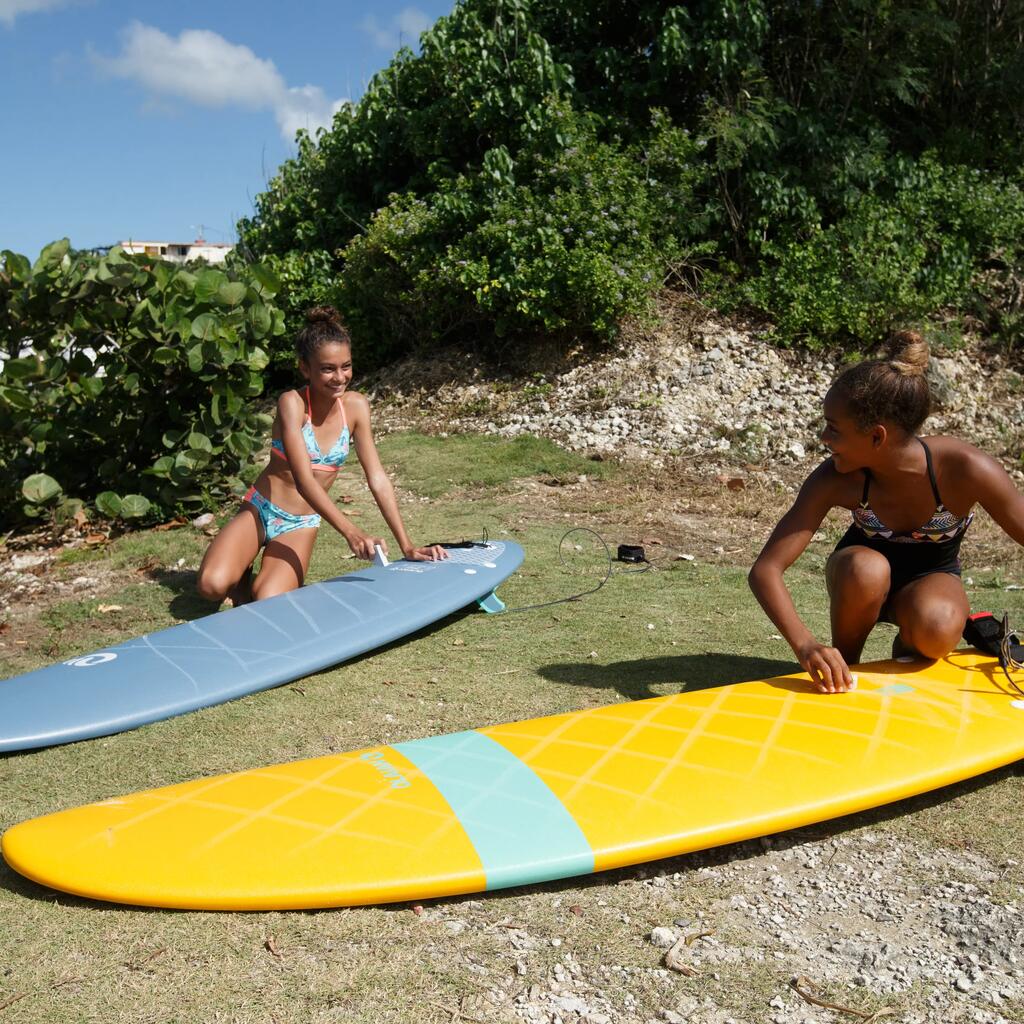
534,800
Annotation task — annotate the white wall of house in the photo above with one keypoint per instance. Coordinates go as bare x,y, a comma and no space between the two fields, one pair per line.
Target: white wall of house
179,252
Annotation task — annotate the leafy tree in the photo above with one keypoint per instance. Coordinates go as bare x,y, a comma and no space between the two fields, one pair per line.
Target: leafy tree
789,115
128,382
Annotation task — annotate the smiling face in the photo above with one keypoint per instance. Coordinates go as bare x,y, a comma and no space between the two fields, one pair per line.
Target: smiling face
851,447
329,371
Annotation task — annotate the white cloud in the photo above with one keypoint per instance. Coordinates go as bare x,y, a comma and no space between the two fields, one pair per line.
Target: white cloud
404,28
204,68
10,9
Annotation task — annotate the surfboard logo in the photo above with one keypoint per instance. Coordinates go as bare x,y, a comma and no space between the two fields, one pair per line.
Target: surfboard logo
88,660
388,770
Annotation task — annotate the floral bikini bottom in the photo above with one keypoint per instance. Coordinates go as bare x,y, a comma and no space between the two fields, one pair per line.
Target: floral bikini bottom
276,521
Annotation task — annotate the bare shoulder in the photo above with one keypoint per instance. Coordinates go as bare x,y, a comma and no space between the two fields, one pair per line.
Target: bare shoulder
829,488
967,474
357,415
289,403
955,456
356,400
357,406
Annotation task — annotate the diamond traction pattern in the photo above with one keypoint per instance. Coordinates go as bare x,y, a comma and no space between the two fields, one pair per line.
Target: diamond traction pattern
487,555
664,776
322,832
620,770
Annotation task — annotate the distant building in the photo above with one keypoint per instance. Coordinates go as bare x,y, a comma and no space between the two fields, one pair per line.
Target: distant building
180,252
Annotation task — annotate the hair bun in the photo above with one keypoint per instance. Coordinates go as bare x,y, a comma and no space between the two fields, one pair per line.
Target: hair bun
323,315
908,354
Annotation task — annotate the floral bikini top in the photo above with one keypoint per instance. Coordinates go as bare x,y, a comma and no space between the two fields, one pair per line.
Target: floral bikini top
943,525
333,460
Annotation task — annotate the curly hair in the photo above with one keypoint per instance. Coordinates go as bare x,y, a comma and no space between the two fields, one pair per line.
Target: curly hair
893,389
323,326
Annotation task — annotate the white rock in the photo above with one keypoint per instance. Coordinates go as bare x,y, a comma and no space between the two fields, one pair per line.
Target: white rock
22,562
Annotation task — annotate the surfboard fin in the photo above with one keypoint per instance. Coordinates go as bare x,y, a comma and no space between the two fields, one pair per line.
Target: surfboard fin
492,604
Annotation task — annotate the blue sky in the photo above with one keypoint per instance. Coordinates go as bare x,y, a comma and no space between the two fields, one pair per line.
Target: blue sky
140,120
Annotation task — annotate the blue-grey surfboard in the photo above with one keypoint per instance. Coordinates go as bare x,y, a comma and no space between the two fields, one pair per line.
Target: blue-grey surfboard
246,649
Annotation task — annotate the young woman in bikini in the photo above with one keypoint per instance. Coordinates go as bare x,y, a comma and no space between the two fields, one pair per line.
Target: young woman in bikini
911,500
281,512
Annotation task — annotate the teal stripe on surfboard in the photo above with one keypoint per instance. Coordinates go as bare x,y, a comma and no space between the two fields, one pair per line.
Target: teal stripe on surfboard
519,828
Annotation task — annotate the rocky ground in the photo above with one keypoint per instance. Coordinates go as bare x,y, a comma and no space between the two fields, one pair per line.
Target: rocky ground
860,920
711,392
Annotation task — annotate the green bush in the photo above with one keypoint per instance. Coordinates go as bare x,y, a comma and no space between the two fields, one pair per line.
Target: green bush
800,122
892,257
308,280
128,382
571,239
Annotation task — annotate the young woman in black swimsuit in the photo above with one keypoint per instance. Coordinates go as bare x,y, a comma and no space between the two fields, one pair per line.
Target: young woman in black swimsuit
887,567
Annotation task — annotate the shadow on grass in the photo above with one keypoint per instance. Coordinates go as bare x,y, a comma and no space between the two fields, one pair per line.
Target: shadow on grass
185,603
636,679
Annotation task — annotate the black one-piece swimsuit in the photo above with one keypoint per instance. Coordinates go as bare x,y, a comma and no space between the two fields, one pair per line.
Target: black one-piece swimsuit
934,547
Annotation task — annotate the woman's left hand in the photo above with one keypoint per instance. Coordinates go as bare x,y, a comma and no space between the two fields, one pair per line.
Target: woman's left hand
431,553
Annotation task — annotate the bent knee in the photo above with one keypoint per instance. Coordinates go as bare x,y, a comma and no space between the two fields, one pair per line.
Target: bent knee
936,629
213,584
858,573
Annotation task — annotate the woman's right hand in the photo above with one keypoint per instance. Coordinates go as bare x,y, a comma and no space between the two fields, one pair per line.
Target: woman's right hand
826,666
362,544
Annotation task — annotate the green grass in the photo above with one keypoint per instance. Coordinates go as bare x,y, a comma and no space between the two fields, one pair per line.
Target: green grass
69,960
435,466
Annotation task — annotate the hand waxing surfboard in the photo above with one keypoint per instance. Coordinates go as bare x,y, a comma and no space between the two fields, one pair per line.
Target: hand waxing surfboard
246,649
535,800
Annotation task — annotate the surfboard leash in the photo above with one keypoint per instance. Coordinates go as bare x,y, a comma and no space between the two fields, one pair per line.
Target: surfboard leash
626,553
561,557
992,636
609,570
1009,642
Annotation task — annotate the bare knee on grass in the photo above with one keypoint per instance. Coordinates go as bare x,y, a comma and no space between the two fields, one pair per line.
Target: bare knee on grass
935,630
229,556
213,583
858,584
